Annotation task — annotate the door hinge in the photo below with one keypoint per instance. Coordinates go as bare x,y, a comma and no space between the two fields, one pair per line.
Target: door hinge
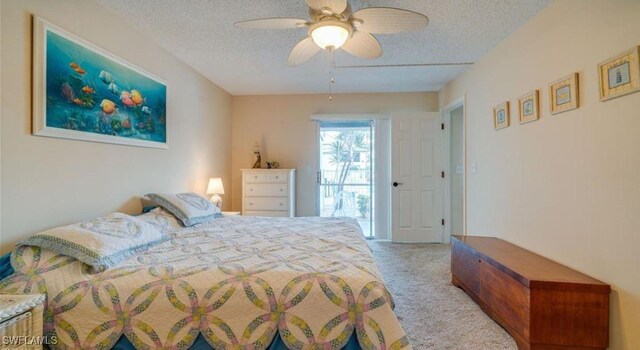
443,174
442,126
442,222
319,177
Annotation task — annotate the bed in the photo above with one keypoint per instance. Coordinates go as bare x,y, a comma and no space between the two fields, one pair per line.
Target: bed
235,282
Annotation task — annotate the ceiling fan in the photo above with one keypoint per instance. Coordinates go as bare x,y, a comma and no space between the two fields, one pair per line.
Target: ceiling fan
334,26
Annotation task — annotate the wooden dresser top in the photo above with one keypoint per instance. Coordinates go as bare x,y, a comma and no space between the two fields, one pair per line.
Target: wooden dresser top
529,268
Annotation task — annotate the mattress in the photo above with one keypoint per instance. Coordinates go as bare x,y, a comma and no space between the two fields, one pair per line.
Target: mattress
237,282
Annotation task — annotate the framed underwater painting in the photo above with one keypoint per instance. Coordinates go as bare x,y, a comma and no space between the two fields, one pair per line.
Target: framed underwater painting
83,92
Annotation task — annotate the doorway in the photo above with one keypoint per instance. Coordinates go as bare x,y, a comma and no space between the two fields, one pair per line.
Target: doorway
346,178
456,164
455,154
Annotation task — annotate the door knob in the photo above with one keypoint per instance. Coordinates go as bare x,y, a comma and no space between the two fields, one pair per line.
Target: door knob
395,184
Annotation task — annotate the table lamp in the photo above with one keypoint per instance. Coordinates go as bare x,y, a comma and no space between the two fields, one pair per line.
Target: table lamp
216,189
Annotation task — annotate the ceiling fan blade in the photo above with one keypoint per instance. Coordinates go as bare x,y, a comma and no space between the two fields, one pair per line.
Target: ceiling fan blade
363,45
387,20
302,52
337,6
273,23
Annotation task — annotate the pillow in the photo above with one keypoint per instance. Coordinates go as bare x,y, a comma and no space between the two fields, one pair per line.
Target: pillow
162,220
189,208
100,243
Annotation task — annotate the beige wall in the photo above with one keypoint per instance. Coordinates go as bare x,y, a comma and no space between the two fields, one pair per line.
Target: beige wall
48,182
566,186
283,126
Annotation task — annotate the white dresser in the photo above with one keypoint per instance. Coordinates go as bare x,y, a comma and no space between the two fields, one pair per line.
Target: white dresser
269,192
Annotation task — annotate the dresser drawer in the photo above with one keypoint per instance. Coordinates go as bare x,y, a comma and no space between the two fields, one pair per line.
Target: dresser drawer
266,177
266,190
282,214
267,204
278,177
255,177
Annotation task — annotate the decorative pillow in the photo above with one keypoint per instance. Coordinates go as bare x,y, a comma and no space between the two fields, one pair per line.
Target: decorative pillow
189,208
162,220
100,243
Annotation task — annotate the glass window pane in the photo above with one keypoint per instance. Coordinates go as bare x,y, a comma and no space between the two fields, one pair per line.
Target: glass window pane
346,171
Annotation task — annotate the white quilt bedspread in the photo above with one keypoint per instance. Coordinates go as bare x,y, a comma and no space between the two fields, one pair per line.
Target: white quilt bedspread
238,281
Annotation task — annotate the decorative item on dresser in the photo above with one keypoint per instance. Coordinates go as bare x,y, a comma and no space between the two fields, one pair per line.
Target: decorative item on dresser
269,192
21,319
541,303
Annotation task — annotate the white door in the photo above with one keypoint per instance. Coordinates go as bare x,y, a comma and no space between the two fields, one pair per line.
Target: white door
418,186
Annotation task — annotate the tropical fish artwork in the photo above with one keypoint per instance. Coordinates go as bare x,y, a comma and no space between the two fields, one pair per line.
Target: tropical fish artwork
90,91
106,77
108,107
114,88
125,97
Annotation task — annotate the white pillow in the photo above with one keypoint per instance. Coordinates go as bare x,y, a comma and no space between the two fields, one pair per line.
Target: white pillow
189,208
100,243
162,220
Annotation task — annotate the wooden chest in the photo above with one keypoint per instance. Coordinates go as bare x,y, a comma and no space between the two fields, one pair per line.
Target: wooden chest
541,303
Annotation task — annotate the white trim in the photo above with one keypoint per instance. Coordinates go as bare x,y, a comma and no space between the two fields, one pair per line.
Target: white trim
330,117
446,115
40,28
383,178
318,165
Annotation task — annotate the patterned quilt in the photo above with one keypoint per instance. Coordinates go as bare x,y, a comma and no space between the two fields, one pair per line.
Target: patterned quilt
238,281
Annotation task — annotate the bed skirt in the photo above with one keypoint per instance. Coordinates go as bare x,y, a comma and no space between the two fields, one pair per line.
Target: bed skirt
201,344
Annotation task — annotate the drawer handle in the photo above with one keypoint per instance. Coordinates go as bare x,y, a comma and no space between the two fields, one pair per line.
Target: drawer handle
281,204
281,190
251,189
250,203
277,177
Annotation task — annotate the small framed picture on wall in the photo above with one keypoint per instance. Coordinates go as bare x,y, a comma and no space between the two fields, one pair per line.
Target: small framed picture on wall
529,107
501,117
564,94
620,75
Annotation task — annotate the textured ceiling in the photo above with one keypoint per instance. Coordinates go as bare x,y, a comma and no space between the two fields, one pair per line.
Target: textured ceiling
247,62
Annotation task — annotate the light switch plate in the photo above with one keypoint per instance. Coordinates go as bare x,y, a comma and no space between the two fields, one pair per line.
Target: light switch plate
474,168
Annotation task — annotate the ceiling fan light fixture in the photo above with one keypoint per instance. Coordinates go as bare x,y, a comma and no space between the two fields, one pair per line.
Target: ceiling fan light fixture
330,35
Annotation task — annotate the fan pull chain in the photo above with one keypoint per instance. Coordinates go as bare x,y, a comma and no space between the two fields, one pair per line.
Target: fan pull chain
332,80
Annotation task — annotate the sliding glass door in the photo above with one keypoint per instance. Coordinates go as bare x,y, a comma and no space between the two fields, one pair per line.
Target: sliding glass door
346,171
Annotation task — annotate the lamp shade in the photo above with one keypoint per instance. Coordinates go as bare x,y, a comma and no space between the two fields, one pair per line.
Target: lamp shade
215,186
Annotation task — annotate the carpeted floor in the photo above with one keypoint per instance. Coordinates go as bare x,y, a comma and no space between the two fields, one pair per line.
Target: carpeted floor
434,313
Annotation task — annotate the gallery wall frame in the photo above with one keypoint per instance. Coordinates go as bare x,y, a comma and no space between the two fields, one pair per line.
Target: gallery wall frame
529,107
620,74
564,94
501,116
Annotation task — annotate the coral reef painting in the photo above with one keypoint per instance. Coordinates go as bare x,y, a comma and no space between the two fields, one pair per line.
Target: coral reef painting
84,92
